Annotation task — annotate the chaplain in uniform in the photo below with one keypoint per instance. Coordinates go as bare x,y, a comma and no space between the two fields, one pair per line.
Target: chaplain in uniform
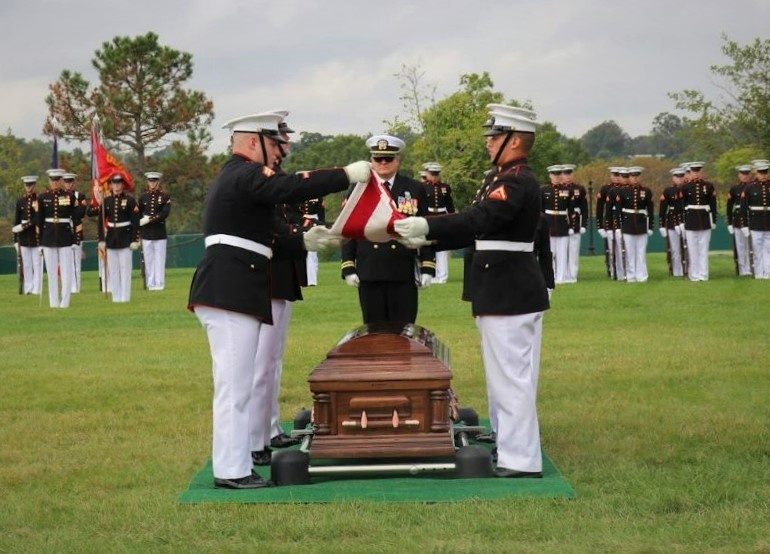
556,199
507,289
25,238
230,290
388,274
579,220
439,202
57,218
670,221
121,214
637,212
737,219
699,200
756,204
154,208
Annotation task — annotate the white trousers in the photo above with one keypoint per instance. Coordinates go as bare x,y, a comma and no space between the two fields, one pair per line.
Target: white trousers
510,348
265,422
698,254
233,339
742,251
636,257
58,262
33,268
312,268
119,273
675,247
560,250
442,267
77,265
573,258
618,247
760,243
155,263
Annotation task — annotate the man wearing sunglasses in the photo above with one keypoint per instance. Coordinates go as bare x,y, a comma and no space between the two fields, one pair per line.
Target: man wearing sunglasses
755,201
737,219
57,219
388,274
154,208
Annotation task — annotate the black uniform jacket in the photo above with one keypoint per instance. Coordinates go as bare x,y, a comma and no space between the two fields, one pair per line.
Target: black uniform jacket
288,271
580,206
26,216
698,193
507,209
241,202
756,195
601,205
391,261
156,205
121,217
59,208
439,198
637,209
670,211
734,214
558,198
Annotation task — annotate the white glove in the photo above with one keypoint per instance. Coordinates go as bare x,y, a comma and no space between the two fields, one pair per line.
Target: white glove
425,280
713,225
582,230
649,232
415,243
99,197
663,232
17,228
102,246
358,172
730,229
352,280
411,227
16,246
550,292
318,238
745,231
618,234
144,221
603,233
571,232
134,246
679,229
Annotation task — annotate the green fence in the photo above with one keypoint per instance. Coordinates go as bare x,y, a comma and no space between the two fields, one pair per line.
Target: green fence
187,250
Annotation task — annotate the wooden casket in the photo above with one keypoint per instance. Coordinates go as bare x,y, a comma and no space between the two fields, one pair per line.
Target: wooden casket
383,392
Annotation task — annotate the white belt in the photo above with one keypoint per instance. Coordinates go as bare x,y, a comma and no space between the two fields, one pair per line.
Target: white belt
698,207
632,211
508,245
118,224
58,220
759,208
239,242
24,221
556,212
310,216
437,210
576,210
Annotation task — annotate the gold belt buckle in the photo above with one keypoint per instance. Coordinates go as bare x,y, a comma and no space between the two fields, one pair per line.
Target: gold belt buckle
56,220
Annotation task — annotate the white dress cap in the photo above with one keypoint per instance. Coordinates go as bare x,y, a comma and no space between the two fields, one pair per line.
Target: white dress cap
265,123
55,173
744,168
384,145
510,118
153,175
68,176
29,179
553,168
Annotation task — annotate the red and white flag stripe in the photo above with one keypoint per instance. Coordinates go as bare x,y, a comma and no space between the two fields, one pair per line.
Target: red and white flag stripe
369,213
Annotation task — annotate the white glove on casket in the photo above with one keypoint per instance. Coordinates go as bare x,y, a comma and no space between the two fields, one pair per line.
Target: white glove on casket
317,238
663,232
17,228
603,233
411,227
425,280
745,231
144,220
358,172
352,280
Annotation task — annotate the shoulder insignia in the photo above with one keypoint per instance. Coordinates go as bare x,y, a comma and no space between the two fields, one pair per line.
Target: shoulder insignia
498,194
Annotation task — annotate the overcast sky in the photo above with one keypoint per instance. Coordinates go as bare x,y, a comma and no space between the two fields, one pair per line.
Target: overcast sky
332,62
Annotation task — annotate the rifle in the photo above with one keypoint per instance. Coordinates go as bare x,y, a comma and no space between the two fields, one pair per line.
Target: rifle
142,269
20,268
735,251
685,253
607,260
751,253
668,254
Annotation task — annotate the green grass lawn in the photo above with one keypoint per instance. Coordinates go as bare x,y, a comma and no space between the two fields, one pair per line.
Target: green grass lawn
653,400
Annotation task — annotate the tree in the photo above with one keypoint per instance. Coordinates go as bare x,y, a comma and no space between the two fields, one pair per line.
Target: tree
140,99
739,116
606,140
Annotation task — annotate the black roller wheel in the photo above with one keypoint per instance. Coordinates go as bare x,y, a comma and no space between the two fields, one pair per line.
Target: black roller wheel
302,419
290,467
473,462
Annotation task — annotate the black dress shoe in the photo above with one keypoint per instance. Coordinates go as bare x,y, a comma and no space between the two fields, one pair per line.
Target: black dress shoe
261,457
252,481
516,474
486,437
283,441
493,452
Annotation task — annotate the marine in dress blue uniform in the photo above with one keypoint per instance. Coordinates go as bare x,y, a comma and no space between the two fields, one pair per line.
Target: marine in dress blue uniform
154,209
25,237
579,220
755,200
736,219
77,249
637,219
699,200
670,221
440,201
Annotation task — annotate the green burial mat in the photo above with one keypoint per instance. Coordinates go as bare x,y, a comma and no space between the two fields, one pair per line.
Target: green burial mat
429,486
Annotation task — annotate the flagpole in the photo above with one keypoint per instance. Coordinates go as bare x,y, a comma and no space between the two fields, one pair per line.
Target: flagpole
55,155
96,185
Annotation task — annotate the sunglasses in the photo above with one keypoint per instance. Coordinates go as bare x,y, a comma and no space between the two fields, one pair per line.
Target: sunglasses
383,159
